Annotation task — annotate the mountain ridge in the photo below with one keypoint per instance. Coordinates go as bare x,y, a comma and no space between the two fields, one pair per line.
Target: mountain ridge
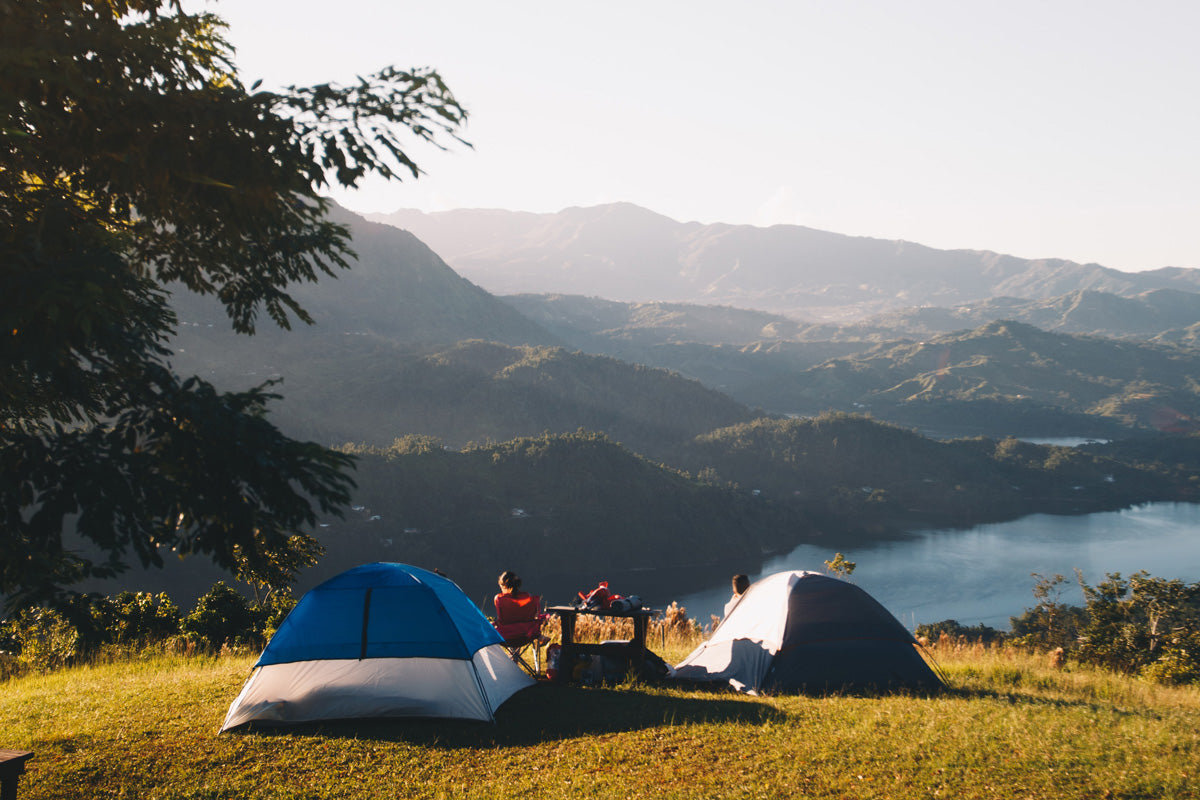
623,252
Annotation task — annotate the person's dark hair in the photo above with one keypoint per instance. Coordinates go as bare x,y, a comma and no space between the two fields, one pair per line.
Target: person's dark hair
509,580
740,584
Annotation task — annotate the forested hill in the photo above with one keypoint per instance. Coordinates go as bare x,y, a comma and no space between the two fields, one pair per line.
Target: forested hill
371,390
486,392
509,456
564,510
1015,372
397,289
1003,377
850,472
548,506
580,507
590,322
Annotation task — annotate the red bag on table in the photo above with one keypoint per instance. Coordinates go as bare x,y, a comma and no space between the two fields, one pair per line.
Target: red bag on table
598,598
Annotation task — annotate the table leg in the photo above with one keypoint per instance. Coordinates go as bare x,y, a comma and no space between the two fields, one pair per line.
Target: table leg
568,628
640,624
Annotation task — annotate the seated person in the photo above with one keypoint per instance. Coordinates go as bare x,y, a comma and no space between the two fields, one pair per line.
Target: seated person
740,584
517,612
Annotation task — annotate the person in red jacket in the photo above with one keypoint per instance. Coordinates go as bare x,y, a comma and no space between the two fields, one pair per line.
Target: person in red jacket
517,612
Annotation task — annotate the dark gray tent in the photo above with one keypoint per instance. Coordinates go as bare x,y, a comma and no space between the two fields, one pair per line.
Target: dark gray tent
793,631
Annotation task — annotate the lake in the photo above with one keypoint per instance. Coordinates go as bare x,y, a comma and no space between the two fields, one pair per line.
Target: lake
983,574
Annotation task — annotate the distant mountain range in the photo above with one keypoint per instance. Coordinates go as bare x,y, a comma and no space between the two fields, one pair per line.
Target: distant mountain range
1168,315
1164,314
404,345
626,253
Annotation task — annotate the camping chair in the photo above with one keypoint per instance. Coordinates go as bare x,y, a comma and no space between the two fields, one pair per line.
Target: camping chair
519,620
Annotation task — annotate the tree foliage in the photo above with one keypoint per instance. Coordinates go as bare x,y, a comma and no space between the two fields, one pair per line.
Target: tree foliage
1140,622
1050,623
134,162
840,566
1140,625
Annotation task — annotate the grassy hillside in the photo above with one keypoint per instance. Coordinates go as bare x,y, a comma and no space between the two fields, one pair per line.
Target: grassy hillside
1010,727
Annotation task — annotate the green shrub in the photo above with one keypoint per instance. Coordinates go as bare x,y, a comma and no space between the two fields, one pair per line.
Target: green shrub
951,627
41,640
1178,663
1044,629
136,618
222,617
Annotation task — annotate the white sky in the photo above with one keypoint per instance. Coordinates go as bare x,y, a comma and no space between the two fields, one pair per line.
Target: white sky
1044,128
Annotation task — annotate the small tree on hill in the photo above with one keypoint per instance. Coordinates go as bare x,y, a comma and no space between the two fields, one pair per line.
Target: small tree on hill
1050,623
840,567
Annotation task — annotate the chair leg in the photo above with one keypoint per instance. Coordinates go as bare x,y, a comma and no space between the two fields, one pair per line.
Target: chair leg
515,654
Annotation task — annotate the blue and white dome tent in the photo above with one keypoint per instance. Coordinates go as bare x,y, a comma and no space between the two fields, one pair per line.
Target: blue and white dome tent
380,640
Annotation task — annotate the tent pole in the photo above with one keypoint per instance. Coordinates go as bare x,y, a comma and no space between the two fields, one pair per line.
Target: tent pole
482,692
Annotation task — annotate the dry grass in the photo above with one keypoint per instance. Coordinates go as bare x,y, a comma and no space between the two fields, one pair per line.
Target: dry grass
672,631
1012,725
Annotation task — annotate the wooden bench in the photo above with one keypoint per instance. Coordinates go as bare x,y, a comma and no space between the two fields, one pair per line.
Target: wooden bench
12,765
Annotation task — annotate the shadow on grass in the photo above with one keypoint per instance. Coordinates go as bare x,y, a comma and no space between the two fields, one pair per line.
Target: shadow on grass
547,713
1015,696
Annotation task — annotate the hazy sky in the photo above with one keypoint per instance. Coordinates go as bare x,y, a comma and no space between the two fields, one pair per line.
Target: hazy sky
1041,129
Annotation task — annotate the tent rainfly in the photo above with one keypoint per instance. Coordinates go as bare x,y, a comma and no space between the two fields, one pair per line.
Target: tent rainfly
380,640
796,631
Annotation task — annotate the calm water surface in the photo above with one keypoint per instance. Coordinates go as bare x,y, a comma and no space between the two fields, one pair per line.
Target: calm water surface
982,575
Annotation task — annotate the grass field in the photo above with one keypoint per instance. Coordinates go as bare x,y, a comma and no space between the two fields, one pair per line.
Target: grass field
1010,726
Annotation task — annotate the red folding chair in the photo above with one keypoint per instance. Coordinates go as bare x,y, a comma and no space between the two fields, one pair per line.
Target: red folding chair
519,620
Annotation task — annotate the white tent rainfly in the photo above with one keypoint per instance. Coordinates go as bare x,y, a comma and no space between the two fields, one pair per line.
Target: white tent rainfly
796,631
